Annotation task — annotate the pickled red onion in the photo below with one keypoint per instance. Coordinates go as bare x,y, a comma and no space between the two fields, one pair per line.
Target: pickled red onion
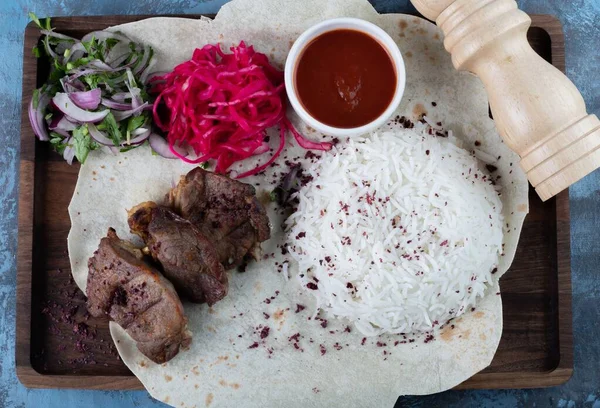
221,106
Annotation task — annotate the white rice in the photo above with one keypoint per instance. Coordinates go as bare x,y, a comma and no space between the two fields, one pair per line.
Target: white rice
398,232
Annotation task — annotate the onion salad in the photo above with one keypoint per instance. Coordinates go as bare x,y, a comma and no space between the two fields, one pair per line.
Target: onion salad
95,95
218,106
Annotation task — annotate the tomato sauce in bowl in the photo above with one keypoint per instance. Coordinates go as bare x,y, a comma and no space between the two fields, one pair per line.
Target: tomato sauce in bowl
345,78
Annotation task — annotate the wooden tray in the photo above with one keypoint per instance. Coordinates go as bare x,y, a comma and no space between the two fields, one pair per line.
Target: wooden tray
55,350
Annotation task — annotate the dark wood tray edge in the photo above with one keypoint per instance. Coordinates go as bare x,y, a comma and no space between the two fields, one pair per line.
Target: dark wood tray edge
30,378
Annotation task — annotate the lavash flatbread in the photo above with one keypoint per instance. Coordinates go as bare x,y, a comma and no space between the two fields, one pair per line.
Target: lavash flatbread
222,368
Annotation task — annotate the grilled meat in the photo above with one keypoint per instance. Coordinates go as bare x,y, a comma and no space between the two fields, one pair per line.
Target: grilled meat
188,257
136,296
224,210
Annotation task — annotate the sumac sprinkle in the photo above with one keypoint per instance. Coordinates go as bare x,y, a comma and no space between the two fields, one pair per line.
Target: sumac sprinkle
264,333
363,341
380,344
299,308
494,270
491,168
253,345
266,315
477,143
323,349
429,338
312,286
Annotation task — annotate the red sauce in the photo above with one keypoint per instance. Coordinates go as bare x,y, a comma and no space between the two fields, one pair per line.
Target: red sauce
345,78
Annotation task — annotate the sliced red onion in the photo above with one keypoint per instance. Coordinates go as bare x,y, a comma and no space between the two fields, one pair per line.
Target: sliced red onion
36,116
51,33
99,136
71,86
49,49
65,105
121,96
100,65
62,47
69,152
61,122
70,119
145,58
121,115
88,99
161,147
139,131
118,53
103,36
147,72
117,62
109,103
75,52
62,132
141,138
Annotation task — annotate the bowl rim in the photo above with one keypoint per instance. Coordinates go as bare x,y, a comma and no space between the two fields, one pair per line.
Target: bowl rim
374,31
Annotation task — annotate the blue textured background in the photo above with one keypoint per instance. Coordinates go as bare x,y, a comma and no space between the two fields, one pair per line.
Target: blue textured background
581,19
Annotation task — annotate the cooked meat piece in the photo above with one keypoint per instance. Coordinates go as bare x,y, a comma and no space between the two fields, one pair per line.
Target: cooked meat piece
225,210
136,296
188,258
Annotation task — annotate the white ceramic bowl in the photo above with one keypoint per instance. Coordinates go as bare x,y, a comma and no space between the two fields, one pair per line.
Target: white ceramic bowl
350,24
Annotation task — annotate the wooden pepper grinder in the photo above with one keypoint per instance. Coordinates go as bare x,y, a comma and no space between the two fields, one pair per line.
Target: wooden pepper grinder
538,111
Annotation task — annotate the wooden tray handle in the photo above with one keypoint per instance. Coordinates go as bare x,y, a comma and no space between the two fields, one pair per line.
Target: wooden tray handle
538,111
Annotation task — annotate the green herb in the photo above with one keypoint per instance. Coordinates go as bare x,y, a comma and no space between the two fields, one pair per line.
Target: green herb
58,142
36,52
274,195
36,98
82,142
110,125
204,165
135,122
36,20
48,116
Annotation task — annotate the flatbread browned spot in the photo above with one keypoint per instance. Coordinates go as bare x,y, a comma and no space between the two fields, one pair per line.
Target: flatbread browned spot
409,54
209,399
448,333
522,208
142,363
419,110
167,399
479,315
168,378
403,24
483,337
278,314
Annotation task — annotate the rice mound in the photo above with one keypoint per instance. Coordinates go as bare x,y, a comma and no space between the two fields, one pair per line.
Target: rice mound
398,232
